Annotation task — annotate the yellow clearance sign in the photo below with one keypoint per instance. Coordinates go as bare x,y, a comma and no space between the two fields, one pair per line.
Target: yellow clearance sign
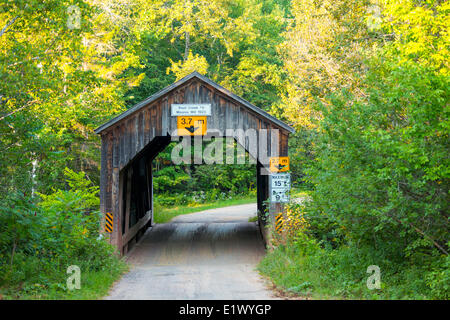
191,126
279,164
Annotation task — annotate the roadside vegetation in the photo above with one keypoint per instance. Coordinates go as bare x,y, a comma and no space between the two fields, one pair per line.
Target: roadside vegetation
379,174
40,239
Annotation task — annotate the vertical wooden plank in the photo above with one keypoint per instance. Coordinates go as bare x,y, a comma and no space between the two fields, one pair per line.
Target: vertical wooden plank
217,112
264,187
122,146
108,155
165,116
115,187
275,141
122,177
200,93
285,151
189,93
181,95
127,209
240,123
259,194
103,173
150,186
141,130
131,130
258,138
158,119
250,120
205,95
109,166
208,97
239,128
127,140
131,137
153,123
116,148
222,114
264,145
172,120
234,116
146,126
246,127
197,97
253,122
136,135
228,117
214,111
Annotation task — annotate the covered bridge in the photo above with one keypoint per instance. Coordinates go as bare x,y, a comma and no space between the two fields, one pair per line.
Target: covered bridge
133,139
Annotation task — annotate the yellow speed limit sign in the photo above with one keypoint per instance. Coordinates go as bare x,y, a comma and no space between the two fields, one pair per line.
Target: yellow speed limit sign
279,164
191,126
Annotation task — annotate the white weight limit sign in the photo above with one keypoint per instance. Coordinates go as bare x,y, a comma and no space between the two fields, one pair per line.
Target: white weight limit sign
280,186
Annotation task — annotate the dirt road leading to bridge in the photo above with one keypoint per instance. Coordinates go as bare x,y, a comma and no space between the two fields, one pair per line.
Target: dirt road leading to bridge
205,255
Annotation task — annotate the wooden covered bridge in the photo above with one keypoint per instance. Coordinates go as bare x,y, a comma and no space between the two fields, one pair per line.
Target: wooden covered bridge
133,139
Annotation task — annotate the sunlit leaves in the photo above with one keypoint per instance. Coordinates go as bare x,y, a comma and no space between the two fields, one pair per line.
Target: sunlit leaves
60,81
193,63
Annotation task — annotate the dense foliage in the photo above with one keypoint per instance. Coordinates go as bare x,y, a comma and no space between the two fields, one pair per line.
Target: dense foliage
39,242
380,168
191,184
365,84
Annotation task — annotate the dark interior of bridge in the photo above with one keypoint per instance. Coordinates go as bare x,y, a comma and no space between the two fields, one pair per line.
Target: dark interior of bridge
137,188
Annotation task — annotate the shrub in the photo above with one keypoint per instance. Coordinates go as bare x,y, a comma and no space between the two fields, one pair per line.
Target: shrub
382,171
381,186
39,241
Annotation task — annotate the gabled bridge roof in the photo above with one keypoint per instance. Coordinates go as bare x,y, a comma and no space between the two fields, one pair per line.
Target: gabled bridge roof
181,82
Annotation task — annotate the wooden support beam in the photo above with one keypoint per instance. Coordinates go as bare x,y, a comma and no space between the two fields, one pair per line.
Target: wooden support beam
123,244
133,231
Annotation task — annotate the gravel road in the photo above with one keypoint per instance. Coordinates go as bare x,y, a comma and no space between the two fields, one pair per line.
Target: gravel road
205,255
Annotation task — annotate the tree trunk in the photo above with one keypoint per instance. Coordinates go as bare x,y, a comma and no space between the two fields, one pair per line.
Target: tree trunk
186,46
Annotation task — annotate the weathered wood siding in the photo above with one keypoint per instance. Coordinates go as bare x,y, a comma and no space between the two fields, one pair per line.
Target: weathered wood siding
138,133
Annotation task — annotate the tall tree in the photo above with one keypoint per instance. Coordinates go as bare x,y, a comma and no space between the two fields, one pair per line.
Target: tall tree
326,46
63,70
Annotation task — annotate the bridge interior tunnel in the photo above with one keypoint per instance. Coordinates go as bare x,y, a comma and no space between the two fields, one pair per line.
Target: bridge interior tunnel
137,194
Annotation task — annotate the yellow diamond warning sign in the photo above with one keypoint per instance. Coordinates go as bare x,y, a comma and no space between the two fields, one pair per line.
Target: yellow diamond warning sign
191,126
279,164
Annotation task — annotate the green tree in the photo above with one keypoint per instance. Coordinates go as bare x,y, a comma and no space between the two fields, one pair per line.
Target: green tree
63,72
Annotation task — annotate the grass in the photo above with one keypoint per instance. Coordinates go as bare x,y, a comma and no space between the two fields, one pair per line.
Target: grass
308,271
163,215
94,285
51,285
291,275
